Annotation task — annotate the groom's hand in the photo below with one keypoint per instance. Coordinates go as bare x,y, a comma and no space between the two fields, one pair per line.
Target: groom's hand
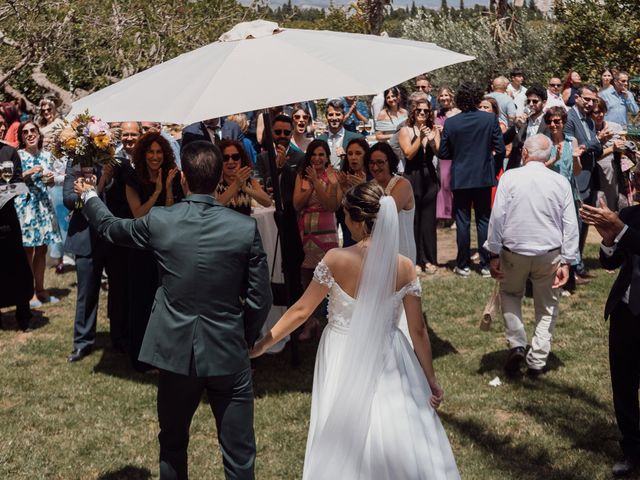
82,185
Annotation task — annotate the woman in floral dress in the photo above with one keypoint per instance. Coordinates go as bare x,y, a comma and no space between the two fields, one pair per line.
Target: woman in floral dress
35,212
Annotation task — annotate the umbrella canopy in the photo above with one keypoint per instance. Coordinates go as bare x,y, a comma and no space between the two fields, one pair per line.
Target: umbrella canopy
258,65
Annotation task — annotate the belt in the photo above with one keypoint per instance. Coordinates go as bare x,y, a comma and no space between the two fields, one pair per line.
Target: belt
507,249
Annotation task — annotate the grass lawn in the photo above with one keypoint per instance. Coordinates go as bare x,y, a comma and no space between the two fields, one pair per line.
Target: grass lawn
96,419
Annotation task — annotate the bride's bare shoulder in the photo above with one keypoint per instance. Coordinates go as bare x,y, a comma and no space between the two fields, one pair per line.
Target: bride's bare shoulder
406,271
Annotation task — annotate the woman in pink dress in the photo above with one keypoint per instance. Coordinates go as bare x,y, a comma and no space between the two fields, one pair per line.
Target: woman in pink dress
444,201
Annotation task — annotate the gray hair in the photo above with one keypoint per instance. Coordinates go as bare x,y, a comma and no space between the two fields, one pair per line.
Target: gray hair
538,147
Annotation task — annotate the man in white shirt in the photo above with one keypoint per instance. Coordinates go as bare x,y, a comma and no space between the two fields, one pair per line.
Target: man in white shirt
554,94
517,90
533,234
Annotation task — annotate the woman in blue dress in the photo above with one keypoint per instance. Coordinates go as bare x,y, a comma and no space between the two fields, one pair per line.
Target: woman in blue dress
35,212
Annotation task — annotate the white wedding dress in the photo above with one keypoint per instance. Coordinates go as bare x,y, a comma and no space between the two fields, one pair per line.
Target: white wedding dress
403,438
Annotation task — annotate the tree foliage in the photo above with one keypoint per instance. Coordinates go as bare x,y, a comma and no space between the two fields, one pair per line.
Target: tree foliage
593,34
520,44
65,48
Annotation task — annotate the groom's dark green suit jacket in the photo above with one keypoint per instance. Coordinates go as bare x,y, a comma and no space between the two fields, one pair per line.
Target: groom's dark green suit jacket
214,292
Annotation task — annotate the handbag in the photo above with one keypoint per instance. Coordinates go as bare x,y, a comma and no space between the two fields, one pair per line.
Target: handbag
278,290
491,308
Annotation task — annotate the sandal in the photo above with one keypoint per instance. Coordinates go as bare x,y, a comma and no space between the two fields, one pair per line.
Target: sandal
430,269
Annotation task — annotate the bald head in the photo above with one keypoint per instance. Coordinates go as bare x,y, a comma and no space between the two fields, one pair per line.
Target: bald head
500,84
130,132
536,149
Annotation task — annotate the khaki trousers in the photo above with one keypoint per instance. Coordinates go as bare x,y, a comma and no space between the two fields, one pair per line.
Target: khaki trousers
541,270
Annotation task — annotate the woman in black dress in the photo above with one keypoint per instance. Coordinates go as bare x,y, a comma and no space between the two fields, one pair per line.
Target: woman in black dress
154,182
16,280
236,188
419,141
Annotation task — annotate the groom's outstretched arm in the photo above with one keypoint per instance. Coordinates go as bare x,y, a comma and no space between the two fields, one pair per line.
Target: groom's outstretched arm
132,233
258,300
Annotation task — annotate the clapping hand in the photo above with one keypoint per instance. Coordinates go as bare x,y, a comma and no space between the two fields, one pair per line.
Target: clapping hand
158,190
356,179
579,150
605,134
312,175
607,223
170,176
332,175
281,155
243,174
343,180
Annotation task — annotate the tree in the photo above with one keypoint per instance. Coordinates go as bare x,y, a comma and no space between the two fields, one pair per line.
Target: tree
594,33
371,13
461,5
64,48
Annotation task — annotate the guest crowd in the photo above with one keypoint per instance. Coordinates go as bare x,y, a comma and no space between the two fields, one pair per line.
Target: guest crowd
438,152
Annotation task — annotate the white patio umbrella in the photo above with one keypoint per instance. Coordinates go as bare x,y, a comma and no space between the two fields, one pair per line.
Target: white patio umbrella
258,65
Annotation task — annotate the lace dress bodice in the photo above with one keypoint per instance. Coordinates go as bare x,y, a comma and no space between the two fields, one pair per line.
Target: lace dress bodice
341,305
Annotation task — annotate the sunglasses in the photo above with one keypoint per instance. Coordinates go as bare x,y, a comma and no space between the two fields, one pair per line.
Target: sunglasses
422,87
233,156
279,131
47,109
301,117
377,163
422,110
532,101
555,85
27,131
555,121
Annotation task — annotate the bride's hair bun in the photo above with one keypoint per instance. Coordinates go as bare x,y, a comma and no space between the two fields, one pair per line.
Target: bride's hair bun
363,203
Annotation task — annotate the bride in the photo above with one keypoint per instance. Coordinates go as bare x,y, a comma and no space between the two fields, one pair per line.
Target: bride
373,402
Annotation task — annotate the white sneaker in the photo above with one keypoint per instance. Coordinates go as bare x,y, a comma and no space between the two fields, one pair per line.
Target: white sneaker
485,272
463,272
67,260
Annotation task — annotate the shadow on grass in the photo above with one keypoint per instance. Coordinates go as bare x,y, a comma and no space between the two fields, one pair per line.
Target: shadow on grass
494,362
514,460
117,364
440,347
8,320
127,473
59,292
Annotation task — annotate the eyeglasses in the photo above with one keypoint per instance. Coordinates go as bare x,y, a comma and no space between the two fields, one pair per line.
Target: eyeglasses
557,85
27,131
301,117
422,87
377,163
622,81
532,101
424,111
45,109
555,121
233,156
279,131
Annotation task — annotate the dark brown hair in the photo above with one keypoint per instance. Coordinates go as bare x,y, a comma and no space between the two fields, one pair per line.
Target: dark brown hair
140,150
362,202
202,166
21,143
244,158
555,112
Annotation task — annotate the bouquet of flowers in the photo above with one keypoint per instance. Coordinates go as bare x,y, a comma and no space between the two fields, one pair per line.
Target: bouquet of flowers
85,141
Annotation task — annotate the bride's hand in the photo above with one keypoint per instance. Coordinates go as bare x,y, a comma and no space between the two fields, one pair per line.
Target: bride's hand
437,394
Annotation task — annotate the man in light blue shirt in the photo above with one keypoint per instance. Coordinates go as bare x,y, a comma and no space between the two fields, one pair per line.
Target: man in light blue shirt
619,100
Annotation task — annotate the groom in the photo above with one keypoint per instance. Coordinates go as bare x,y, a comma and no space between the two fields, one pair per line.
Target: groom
213,298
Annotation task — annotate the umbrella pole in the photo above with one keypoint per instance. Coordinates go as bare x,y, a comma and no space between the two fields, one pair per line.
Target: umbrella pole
267,144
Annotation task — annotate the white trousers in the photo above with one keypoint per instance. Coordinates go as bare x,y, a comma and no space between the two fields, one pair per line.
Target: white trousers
541,270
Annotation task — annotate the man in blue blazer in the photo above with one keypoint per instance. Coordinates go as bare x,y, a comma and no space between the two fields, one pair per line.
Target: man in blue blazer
473,141
581,127
337,137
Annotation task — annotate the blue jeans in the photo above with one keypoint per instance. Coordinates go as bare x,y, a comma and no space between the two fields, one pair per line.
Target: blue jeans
463,200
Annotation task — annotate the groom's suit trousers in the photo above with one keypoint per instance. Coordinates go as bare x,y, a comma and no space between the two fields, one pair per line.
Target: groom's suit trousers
231,401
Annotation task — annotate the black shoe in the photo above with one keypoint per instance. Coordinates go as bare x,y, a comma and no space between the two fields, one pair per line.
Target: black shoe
624,467
78,354
514,360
